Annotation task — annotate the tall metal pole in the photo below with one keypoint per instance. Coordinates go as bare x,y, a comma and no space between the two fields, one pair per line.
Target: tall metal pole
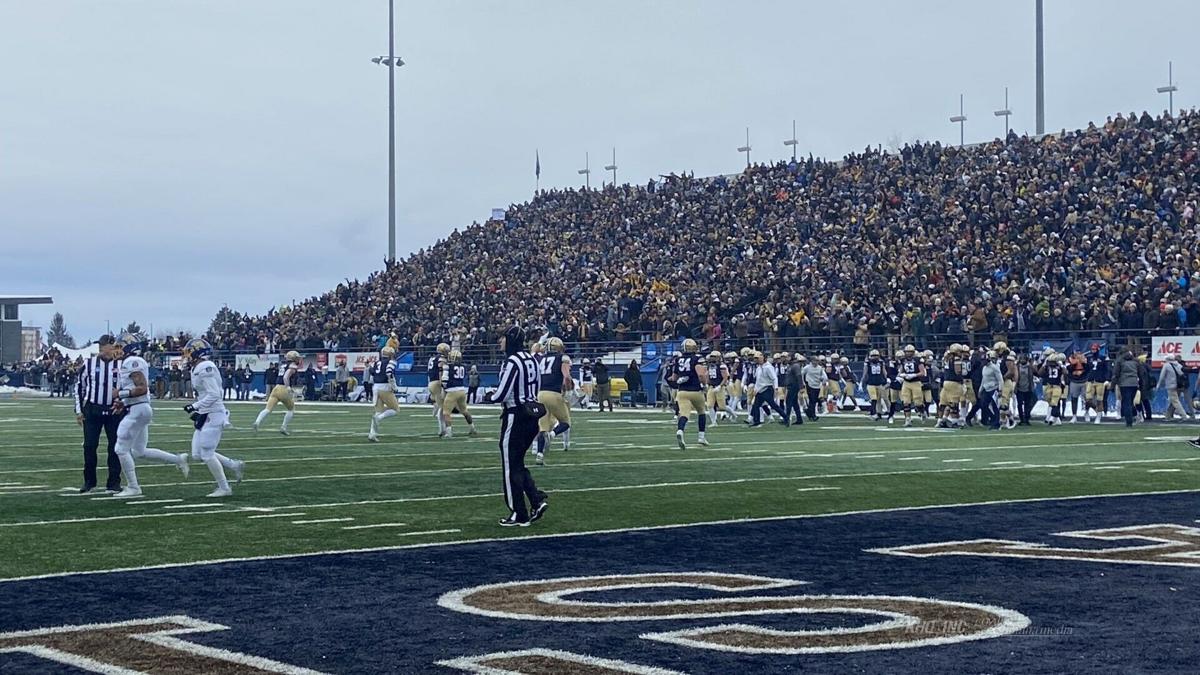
392,131
1041,80
1170,89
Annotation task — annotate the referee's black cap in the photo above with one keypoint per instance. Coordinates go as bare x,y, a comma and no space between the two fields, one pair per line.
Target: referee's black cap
514,339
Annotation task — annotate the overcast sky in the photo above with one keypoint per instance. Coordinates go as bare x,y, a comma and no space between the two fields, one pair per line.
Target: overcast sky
160,159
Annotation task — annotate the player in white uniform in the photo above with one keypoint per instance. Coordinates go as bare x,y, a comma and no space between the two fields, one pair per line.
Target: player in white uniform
209,415
133,396
282,393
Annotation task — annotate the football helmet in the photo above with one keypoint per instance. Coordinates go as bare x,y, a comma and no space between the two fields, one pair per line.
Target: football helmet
991,354
1000,347
714,355
800,358
443,348
130,344
555,345
899,353
834,357
844,361
587,361
910,349
746,351
293,357
455,356
387,351
874,354
690,346
197,349
730,356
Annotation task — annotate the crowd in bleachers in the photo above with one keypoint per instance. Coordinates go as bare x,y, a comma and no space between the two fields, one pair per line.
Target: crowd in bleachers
1090,230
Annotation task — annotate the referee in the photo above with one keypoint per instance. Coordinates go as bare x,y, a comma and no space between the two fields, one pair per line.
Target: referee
517,396
94,412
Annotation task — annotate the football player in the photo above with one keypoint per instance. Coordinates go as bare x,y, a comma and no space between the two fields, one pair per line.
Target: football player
282,393
1008,373
850,385
587,383
690,375
132,396
954,373
454,393
1077,375
833,388
208,415
749,375
555,368
875,378
382,377
912,372
1099,373
733,385
1053,374
718,379
894,384
433,373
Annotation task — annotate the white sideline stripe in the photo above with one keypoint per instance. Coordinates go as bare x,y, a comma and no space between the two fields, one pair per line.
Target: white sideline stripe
194,506
1004,463
368,527
279,515
413,534
8,484
1106,468
909,459
1163,470
320,520
642,462
961,459
155,501
815,489
868,456
8,488
646,528
609,488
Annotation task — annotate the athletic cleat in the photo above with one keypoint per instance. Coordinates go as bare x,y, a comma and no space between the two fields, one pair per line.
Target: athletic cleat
128,493
907,423
891,420
679,440
540,458
703,441
284,431
1195,443
184,467
220,493
254,426
239,470
1073,420
513,522
539,511
372,437
1097,420
473,433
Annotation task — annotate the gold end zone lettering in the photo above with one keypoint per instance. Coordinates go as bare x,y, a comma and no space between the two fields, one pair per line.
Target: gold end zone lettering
1177,545
140,646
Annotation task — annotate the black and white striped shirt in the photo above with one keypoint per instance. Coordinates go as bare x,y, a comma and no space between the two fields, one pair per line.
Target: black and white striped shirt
96,382
519,381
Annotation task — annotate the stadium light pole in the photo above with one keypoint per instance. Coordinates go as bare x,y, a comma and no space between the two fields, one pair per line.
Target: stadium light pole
392,62
613,167
792,141
961,119
1170,89
586,171
1005,113
1040,70
746,148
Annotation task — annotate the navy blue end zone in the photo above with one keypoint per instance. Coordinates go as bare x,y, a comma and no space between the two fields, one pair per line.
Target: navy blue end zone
379,613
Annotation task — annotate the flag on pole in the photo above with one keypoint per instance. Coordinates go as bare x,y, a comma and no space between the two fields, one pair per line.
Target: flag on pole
537,164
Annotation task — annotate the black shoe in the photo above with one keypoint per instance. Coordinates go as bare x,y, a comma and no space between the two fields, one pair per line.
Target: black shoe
86,489
1195,443
513,522
539,511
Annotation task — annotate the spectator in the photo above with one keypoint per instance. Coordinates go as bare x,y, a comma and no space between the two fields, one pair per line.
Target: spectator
633,378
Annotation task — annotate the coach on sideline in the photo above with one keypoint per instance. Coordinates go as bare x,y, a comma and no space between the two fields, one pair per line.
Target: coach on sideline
517,396
94,412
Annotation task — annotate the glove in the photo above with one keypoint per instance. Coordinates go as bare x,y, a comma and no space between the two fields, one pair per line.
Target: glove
189,408
682,379
487,398
198,419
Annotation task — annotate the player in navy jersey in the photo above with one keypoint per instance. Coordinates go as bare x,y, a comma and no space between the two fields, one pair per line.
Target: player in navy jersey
718,379
433,371
555,370
875,379
454,393
690,376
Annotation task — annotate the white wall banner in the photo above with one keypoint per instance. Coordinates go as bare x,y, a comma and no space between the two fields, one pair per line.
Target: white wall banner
257,362
354,360
1185,347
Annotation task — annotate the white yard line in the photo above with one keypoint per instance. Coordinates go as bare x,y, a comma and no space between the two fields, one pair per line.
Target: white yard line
156,501
909,459
1106,468
413,534
195,506
279,515
320,520
817,489
369,527
948,461
646,528
1163,470
609,488
1005,463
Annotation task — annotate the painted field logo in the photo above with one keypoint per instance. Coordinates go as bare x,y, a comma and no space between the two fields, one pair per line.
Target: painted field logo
901,621
1172,545
140,646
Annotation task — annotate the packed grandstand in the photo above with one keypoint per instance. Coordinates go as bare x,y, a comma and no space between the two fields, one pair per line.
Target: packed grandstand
1089,230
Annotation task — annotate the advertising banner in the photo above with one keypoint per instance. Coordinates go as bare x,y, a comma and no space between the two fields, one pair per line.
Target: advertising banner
258,362
354,360
1185,347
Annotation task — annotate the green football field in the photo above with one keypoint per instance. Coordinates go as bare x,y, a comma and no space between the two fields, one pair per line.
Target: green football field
325,488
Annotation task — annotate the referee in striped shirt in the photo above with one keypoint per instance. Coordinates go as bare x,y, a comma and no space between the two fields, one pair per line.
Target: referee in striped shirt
94,412
517,396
